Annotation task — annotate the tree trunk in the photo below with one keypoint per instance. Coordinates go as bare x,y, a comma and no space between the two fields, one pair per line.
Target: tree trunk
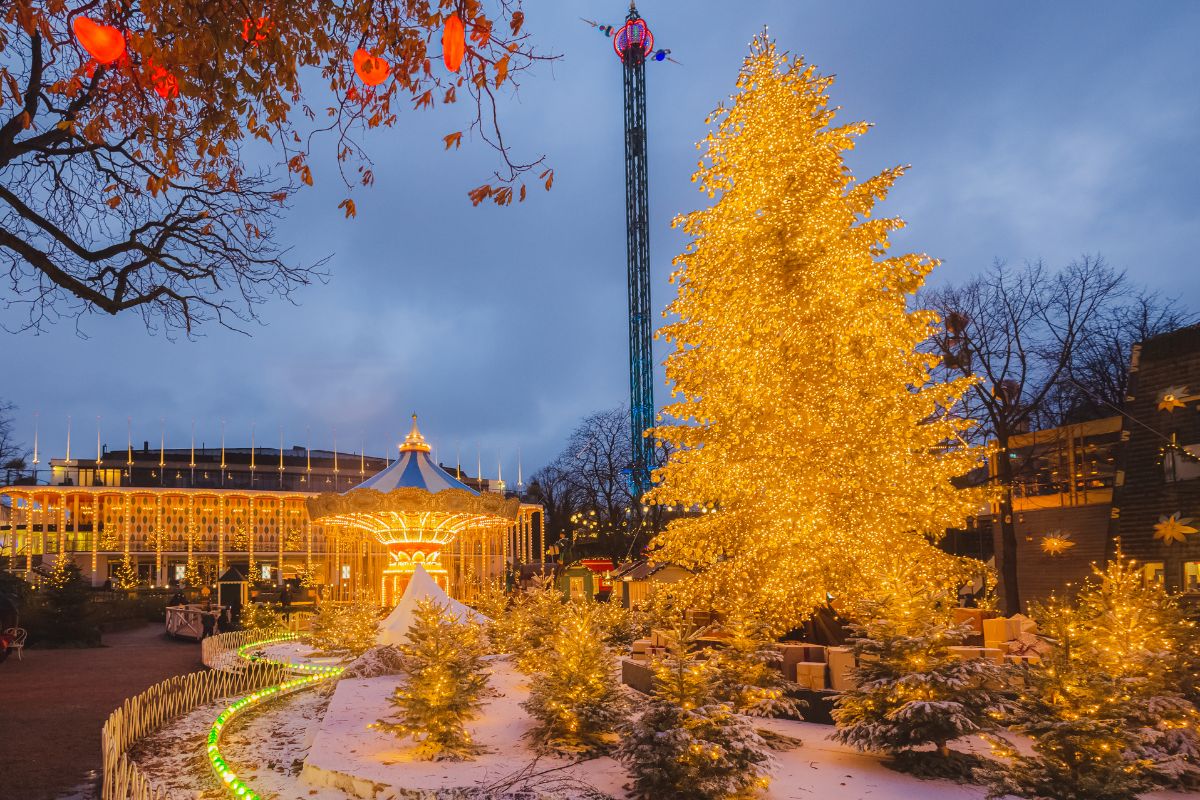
943,750
1008,530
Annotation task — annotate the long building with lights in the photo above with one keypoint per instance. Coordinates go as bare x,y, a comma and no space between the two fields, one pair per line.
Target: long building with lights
163,509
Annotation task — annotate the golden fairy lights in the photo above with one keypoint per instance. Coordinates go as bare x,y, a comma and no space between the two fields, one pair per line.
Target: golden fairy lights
805,410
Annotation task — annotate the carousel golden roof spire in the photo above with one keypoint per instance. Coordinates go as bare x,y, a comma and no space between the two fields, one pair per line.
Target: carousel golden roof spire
414,440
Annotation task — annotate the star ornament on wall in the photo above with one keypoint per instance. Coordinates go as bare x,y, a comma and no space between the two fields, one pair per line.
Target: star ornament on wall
1169,398
1174,528
1056,543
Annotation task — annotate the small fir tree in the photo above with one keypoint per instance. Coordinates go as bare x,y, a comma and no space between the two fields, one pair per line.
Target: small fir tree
1105,713
574,695
686,745
266,617
125,576
527,625
348,630
192,576
65,592
619,626
914,691
748,676
443,682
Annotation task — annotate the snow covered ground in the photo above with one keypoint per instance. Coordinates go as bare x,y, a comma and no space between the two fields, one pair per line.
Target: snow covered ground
310,745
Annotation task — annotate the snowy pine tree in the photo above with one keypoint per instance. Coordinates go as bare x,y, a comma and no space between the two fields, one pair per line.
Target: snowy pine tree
686,745
348,630
747,674
444,679
1104,712
914,691
574,694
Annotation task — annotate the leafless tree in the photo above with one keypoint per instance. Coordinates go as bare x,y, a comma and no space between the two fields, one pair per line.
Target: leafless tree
1020,331
1097,382
550,488
12,452
590,482
131,186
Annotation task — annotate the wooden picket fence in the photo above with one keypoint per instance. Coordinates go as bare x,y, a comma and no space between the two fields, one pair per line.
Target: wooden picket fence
220,651
143,714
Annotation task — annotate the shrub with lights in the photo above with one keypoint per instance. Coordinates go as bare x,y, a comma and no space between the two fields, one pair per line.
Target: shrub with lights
1105,713
348,630
573,694
266,617
529,623
747,675
125,576
914,692
444,679
687,745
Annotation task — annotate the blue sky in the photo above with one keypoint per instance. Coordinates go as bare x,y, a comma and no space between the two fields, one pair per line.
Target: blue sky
1034,130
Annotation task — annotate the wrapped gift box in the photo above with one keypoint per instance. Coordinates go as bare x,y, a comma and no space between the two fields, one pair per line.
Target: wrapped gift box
1029,644
811,675
640,645
1000,630
841,661
1027,625
993,653
1029,659
793,653
661,639
971,615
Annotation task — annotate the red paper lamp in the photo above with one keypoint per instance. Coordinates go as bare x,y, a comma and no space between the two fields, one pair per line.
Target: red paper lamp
454,43
255,30
371,68
104,42
164,82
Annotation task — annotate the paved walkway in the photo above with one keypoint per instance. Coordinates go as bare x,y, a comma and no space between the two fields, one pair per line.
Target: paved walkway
54,702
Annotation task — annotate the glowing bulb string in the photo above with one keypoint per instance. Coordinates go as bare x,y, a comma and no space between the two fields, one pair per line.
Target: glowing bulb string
313,674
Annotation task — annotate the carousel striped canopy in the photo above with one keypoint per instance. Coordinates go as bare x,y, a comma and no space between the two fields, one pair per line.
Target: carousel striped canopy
414,468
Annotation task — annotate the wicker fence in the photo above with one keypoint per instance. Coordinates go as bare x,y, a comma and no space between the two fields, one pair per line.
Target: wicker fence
145,713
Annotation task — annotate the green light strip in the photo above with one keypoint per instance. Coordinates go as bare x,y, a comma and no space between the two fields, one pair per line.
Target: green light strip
316,673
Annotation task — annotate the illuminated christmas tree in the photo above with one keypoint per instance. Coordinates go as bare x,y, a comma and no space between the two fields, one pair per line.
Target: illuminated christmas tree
574,694
125,576
192,575
808,427
747,676
267,617
527,625
686,745
913,690
443,680
348,630
1105,713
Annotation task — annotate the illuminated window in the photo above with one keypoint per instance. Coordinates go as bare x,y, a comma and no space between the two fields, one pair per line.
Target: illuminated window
576,587
1191,576
180,571
345,572
266,572
1154,572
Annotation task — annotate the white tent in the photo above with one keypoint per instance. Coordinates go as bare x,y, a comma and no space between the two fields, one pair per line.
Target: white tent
394,629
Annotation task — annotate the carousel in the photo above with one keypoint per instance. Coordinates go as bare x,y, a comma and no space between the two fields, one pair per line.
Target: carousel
423,516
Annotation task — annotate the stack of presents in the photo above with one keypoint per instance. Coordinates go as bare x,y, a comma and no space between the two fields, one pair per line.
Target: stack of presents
820,668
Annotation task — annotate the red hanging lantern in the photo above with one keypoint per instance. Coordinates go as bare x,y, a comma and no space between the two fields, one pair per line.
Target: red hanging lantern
371,68
104,42
164,82
255,30
454,43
